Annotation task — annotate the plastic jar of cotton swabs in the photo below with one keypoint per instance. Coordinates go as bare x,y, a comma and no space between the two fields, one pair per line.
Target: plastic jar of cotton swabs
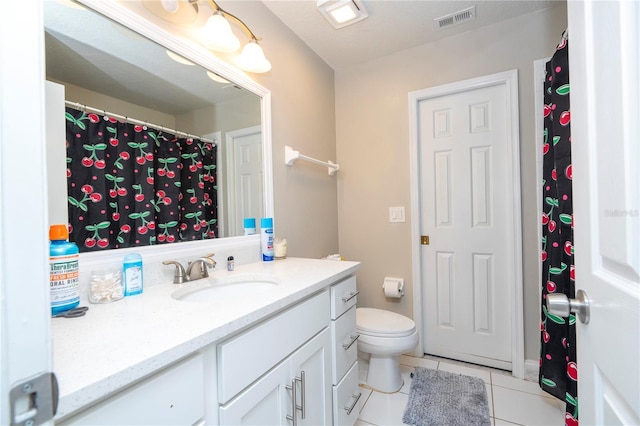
105,286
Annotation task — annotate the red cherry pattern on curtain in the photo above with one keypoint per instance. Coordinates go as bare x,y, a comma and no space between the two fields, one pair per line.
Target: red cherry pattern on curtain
131,185
558,366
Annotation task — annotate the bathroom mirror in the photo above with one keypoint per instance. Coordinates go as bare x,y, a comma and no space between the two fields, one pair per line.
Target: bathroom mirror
110,67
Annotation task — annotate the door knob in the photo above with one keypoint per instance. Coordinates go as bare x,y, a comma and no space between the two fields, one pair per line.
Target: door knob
560,304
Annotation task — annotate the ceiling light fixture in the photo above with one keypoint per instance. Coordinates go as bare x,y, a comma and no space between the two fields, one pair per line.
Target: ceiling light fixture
219,34
341,13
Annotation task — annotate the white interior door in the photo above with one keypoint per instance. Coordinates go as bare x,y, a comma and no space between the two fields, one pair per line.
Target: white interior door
245,176
468,187
604,42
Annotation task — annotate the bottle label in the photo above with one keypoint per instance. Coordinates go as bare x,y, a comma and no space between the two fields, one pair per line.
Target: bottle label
267,244
133,280
64,280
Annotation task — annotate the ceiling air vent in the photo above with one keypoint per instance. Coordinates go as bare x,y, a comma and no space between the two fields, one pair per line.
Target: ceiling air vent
455,18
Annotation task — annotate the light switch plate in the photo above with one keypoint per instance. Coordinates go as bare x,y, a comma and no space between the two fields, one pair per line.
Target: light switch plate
396,214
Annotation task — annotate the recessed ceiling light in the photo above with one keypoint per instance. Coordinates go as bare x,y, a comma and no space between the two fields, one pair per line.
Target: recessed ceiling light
341,13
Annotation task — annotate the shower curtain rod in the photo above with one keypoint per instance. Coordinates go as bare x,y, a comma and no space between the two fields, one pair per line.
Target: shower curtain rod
82,107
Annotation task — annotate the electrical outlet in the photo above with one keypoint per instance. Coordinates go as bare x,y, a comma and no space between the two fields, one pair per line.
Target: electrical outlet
396,214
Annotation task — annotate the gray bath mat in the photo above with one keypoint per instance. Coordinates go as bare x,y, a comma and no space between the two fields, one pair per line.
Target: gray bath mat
442,398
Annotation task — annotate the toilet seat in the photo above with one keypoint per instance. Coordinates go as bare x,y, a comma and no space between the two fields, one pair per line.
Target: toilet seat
380,323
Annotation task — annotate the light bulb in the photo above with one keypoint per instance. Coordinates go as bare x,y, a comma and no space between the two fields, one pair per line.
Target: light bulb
170,6
218,35
343,13
252,59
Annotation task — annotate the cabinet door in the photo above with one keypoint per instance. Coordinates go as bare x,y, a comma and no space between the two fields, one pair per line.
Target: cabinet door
174,396
314,359
266,402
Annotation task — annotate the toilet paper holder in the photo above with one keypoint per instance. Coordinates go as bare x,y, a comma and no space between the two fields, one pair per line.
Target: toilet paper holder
393,287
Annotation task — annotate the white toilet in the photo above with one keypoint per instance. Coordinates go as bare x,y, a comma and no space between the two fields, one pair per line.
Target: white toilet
384,335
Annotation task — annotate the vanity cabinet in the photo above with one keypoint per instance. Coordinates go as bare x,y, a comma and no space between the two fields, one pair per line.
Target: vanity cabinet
279,372
344,336
289,363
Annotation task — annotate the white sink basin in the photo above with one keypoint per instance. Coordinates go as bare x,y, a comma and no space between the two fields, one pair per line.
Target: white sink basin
217,288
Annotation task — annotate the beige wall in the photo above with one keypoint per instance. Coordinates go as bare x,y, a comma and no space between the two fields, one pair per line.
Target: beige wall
372,129
303,117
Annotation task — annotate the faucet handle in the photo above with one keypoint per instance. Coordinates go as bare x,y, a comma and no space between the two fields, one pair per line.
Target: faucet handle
179,276
210,257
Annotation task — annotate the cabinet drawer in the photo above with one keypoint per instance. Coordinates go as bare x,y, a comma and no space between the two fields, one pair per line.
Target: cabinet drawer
346,398
343,296
344,343
246,357
173,397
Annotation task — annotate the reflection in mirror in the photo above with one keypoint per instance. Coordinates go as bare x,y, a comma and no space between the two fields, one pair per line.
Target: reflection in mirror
94,62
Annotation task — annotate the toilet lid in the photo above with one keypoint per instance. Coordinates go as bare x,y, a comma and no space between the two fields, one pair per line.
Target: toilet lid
378,322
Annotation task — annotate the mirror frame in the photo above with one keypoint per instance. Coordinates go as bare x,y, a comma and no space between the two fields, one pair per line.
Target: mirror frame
191,50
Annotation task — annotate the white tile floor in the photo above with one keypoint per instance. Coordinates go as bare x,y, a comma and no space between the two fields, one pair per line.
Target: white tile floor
511,401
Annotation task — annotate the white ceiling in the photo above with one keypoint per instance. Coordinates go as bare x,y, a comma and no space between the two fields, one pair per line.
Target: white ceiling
392,25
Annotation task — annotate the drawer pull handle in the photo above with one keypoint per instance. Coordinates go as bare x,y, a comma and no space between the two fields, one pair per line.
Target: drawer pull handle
356,397
294,398
303,385
294,406
353,338
351,295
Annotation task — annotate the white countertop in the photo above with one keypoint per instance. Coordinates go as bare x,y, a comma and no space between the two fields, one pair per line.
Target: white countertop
119,343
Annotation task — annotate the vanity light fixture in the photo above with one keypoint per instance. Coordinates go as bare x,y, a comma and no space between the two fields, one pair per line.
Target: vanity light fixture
180,12
217,34
170,6
340,13
221,38
252,58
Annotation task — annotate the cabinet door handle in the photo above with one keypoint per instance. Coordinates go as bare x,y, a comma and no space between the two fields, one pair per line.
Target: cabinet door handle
294,405
353,338
356,398
351,295
303,385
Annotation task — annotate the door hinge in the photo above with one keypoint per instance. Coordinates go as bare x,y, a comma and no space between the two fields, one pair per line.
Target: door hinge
424,240
34,401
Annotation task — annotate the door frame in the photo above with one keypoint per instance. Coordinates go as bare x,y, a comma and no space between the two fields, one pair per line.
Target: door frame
510,80
25,310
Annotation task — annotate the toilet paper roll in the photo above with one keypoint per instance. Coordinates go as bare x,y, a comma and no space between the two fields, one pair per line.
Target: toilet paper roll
393,287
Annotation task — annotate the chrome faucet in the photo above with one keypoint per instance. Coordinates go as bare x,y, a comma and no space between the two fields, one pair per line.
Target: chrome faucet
196,269
195,273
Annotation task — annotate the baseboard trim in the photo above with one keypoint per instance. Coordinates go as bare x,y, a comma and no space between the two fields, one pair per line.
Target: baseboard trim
531,370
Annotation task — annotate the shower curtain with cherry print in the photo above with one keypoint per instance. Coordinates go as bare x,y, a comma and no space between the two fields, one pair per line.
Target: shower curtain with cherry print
558,368
131,185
